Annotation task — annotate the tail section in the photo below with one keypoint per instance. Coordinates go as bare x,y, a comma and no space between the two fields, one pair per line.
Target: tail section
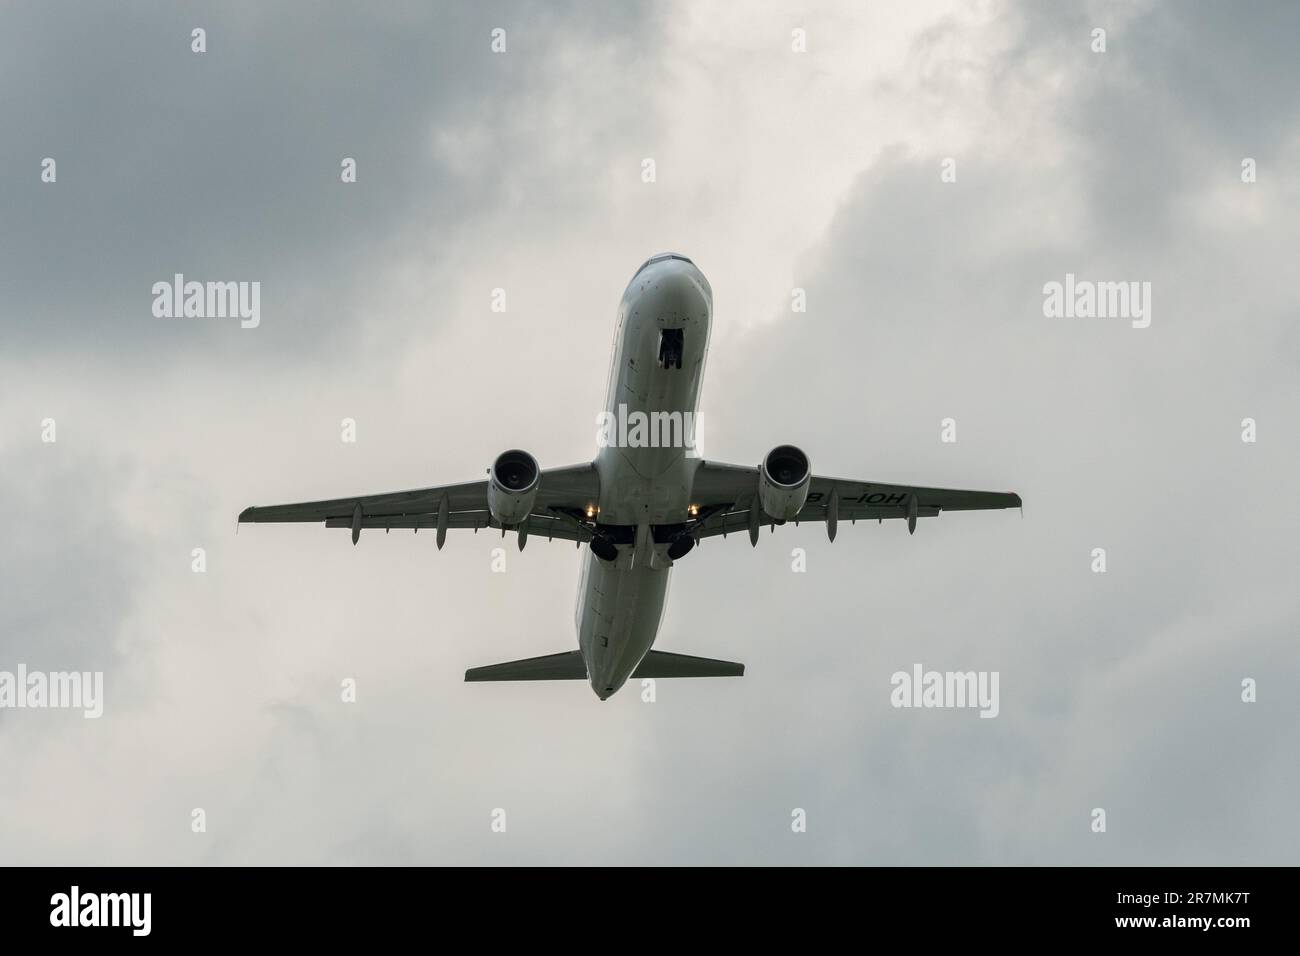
663,664
570,666
566,666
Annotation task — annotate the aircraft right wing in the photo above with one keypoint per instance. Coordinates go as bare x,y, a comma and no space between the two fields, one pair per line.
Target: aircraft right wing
727,498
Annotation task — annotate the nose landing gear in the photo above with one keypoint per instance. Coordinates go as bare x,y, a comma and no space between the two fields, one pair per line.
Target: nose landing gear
671,346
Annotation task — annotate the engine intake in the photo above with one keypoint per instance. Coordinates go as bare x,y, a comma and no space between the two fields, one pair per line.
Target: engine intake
783,482
512,486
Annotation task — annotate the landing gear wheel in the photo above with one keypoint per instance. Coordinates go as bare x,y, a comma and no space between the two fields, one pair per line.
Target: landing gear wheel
602,546
681,545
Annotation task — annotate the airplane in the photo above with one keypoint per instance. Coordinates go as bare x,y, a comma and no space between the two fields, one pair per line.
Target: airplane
642,505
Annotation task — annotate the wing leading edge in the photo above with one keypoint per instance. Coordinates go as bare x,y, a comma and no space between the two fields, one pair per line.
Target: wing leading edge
563,495
727,496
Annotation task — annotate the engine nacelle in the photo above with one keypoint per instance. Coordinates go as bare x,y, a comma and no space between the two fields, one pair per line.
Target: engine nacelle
512,486
783,482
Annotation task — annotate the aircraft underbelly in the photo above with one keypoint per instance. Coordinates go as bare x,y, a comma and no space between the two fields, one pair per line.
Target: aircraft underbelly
644,481
620,618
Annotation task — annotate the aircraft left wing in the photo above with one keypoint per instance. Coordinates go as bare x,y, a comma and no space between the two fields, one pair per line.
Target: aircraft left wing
727,499
559,511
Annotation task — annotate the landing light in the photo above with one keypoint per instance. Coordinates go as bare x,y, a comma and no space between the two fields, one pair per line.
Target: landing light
591,511
693,510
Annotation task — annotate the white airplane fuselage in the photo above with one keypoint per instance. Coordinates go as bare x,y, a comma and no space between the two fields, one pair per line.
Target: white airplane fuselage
621,603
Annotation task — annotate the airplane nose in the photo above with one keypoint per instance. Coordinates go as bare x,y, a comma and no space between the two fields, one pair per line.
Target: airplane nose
677,294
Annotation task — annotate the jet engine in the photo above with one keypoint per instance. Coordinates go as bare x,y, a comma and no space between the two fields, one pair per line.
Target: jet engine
512,486
783,482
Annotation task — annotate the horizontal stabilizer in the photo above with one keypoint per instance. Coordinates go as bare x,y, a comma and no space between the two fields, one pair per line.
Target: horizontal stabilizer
570,666
663,664
566,666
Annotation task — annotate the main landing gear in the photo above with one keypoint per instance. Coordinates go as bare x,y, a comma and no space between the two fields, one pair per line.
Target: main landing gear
604,546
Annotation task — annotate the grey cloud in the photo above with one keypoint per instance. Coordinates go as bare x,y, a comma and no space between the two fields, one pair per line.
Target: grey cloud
225,165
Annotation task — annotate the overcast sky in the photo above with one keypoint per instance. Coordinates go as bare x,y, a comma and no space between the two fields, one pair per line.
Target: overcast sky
775,170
